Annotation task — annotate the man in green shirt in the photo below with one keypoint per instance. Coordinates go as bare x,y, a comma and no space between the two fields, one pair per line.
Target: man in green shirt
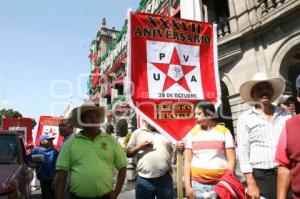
90,157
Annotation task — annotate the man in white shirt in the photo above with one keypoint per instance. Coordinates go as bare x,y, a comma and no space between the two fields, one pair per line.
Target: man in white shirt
258,131
153,151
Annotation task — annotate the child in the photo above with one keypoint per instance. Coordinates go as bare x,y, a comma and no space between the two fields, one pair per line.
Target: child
209,152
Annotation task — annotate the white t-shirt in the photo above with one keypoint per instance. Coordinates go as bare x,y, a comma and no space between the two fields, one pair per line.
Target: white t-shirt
151,162
208,146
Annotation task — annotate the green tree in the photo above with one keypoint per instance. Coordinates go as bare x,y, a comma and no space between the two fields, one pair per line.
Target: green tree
8,113
11,113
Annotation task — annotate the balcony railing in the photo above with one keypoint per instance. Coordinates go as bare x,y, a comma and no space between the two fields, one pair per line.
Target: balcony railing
267,5
223,28
119,98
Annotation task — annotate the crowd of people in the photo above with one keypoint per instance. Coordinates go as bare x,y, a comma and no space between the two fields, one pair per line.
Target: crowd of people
265,145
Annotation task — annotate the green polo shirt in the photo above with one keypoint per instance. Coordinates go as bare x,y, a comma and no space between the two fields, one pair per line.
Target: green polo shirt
91,164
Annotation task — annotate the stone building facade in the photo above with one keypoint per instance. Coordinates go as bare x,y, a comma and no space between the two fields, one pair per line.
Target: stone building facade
253,36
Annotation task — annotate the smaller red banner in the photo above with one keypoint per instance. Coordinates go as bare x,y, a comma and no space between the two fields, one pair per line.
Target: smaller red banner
49,125
23,125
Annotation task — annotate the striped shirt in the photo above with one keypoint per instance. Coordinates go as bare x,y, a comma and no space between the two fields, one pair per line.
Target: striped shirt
257,139
209,158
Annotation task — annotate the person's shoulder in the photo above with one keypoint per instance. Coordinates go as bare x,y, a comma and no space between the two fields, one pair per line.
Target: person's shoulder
37,150
246,113
109,138
70,142
53,151
295,118
138,131
195,130
72,138
221,128
282,112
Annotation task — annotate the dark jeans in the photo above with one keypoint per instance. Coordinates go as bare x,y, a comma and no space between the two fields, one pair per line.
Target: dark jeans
266,180
148,188
73,196
46,188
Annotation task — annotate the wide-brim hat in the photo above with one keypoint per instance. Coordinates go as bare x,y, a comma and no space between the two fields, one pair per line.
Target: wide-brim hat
278,86
75,115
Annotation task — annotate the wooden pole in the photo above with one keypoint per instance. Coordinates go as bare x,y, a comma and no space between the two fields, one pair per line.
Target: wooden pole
179,165
193,10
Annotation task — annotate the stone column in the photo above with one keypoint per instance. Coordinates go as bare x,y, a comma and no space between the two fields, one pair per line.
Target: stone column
233,24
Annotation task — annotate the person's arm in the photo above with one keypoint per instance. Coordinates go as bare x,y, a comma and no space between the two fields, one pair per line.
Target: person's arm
230,151
179,146
283,176
252,188
230,156
132,151
120,182
243,151
63,165
281,156
283,182
188,155
61,177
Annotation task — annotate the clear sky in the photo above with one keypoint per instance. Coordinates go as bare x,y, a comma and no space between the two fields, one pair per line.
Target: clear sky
44,48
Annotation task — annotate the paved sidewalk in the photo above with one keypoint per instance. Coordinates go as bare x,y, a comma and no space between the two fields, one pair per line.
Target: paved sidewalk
128,191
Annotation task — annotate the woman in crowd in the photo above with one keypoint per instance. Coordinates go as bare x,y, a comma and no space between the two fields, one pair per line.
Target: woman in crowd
209,153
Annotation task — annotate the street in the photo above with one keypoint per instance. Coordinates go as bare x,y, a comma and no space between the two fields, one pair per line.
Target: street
124,195
127,191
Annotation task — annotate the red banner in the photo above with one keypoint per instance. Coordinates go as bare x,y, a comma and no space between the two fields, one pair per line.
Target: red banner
49,125
172,64
22,125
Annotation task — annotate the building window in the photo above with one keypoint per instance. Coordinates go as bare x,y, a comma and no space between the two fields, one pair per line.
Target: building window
216,10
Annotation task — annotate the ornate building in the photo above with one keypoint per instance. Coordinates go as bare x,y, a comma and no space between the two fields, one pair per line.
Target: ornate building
253,36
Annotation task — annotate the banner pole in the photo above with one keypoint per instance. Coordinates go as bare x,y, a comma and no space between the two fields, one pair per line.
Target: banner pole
186,7
179,172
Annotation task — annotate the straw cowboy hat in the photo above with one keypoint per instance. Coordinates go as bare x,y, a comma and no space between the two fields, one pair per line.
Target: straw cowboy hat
76,113
278,86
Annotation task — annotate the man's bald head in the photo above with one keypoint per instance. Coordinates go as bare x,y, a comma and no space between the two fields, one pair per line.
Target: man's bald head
65,128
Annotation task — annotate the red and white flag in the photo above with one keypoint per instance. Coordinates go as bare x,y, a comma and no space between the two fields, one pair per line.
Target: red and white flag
49,125
22,125
172,64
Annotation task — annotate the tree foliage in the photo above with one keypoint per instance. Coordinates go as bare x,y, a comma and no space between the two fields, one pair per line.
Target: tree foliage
12,113
9,113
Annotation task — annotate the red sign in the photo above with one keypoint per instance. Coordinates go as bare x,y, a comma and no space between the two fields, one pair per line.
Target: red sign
49,125
22,125
172,64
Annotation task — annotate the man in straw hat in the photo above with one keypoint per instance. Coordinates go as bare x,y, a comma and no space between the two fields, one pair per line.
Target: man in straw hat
90,156
258,130
288,155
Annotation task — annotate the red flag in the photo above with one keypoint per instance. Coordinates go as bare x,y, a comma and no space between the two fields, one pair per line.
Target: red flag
95,77
172,64
49,125
23,125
